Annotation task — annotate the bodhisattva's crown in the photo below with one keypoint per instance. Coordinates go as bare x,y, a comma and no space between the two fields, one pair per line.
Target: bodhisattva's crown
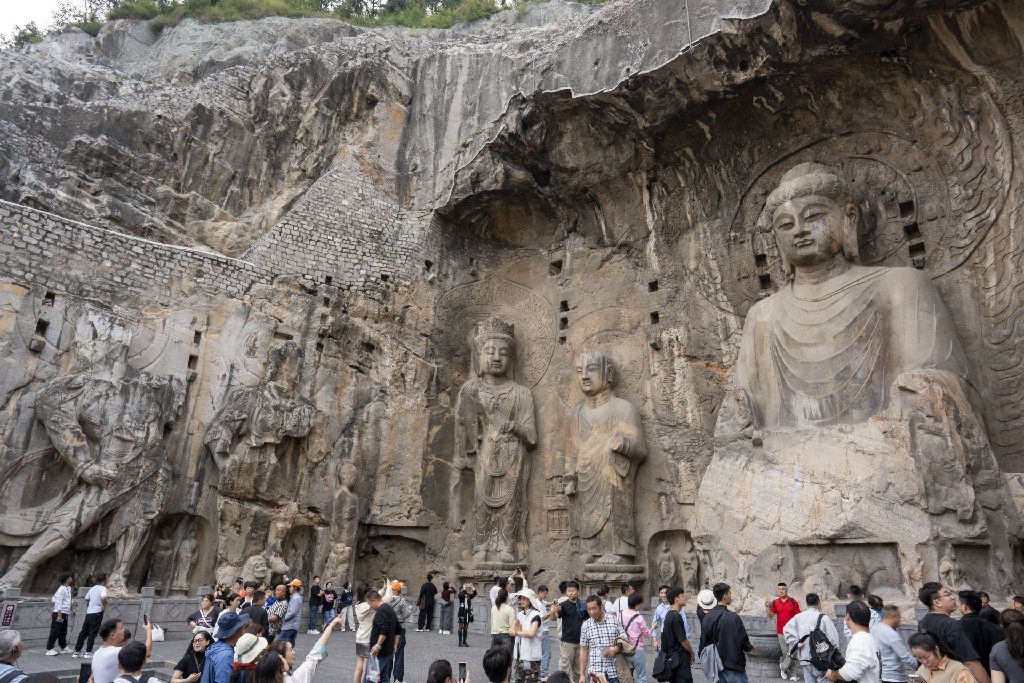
492,327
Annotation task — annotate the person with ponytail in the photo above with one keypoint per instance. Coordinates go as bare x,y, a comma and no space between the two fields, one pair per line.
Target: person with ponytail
1007,658
938,664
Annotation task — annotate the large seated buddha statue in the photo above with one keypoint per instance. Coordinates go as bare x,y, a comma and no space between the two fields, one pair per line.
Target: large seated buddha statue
849,420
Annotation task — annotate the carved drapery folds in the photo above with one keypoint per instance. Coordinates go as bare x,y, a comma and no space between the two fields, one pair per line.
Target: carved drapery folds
849,422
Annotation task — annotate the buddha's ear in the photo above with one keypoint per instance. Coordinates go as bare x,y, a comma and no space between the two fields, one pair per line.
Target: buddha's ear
851,232
610,376
787,267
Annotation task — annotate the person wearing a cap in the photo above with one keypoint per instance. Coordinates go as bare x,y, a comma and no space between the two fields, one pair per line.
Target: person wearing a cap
220,657
247,650
705,603
293,615
527,652
403,609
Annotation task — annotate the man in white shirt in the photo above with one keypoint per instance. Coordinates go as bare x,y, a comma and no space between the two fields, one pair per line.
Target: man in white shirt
800,628
96,604
622,603
62,610
863,663
104,664
495,588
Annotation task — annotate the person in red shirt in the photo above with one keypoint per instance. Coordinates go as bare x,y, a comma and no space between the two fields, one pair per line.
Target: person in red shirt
784,608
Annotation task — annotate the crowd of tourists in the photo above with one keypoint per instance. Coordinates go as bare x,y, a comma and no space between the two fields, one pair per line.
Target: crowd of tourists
247,634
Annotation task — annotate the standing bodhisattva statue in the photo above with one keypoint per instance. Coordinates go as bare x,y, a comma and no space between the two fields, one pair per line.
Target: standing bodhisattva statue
495,430
605,446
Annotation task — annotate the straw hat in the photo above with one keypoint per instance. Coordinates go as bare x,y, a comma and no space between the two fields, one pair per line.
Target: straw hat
248,648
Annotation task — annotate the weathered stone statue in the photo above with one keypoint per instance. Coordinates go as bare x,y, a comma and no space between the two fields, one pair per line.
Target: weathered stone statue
605,445
667,572
183,563
849,420
246,433
107,422
495,430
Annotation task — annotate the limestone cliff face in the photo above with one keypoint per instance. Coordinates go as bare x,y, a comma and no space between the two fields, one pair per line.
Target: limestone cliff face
351,202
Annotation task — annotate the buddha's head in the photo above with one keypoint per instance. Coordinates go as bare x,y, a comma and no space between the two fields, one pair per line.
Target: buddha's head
814,216
284,364
495,346
596,372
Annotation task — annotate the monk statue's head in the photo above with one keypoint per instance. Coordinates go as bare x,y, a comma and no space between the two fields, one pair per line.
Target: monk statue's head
814,217
596,372
495,346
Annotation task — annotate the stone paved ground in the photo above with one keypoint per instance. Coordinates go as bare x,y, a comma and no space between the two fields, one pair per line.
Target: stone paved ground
422,649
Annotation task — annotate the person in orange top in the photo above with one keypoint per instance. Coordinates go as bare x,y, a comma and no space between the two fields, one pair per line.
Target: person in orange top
784,608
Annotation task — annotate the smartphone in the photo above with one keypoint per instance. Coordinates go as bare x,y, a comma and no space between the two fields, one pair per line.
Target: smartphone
917,678
462,671
84,672
145,619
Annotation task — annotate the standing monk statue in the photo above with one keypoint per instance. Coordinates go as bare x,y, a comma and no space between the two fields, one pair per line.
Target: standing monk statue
605,447
495,426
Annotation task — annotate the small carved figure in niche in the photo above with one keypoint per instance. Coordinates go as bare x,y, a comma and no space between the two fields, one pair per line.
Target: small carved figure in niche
161,562
495,430
107,421
605,446
950,571
690,565
254,422
850,379
667,573
184,561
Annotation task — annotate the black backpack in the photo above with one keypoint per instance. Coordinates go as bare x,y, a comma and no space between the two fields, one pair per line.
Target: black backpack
824,654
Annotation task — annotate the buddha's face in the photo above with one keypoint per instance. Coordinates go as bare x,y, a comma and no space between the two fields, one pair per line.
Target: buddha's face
591,373
809,229
495,356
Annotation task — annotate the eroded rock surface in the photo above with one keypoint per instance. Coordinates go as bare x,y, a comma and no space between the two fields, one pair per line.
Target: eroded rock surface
300,224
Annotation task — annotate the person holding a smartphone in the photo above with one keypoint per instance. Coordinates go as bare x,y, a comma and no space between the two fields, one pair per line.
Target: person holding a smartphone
937,661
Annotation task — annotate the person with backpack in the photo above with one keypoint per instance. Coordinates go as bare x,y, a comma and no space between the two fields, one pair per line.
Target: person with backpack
812,632
724,642
863,662
130,660
636,630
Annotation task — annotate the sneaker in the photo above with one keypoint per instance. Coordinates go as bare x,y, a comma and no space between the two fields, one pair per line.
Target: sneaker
76,654
88,655
783,675
794,678
66,651
52,653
